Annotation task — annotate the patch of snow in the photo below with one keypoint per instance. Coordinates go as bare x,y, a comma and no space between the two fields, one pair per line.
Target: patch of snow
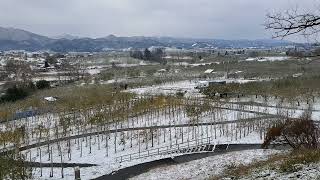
310,171
50,99
297,75
199,64
181,64
206,167
93,71
264,59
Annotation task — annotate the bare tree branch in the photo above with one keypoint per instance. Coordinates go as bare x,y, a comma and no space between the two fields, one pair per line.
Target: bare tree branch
291,22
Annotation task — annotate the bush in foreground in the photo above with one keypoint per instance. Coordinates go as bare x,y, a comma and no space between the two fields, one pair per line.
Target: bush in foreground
298,133
43,84
13,168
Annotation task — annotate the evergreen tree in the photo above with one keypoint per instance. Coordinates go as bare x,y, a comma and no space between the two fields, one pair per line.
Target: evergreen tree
147,54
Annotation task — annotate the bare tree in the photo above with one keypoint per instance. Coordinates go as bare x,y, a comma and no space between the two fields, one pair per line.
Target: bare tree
18,70
293,22
297,133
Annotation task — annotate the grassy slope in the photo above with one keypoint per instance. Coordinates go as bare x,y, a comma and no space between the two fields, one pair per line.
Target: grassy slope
282,164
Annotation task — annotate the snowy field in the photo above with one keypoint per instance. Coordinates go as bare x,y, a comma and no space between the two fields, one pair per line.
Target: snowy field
106,160
103,149
271,59
206,167
273,103
171,88
308,172
149,132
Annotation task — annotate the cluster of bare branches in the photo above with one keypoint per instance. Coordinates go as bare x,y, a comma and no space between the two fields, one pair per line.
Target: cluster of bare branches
292,22
297,133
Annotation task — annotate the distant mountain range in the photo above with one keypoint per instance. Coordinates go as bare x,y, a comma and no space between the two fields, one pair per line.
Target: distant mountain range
66,36
17,39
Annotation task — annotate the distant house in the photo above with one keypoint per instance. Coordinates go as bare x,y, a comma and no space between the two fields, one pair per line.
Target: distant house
162,71
208,71
297,75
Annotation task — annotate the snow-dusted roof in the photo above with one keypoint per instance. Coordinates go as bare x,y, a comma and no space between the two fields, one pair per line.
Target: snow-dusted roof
208,71
50,99
297,75
162,70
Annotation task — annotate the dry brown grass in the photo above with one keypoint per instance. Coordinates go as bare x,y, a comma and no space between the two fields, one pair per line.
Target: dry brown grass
283,163
237,171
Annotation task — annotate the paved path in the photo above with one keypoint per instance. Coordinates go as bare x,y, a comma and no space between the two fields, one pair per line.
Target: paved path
138,169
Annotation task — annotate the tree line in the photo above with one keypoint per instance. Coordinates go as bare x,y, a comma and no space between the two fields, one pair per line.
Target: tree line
155,55
18,91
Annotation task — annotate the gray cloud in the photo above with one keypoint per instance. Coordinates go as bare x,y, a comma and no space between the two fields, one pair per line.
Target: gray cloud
229,19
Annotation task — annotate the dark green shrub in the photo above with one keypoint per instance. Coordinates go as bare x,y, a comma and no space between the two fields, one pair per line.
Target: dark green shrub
43,84
180,94
15,93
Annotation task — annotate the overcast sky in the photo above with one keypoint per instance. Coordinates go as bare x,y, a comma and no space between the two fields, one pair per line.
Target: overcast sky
227,19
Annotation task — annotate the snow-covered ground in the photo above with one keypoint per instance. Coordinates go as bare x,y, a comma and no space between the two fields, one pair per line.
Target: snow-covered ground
107,164
93,71
51,78
275,106
206,167
98,150
49,121
264,59
308,172
127,142
176,57
171,88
